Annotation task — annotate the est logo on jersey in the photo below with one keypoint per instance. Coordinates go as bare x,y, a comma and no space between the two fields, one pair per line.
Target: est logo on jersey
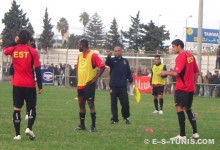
20,54
190,59
48,76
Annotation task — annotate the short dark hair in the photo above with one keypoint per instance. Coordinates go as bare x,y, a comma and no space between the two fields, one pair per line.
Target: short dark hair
32,40
157,56
178,42
84,42
24,37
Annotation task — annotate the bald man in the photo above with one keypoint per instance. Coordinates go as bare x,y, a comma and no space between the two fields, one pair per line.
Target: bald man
120,73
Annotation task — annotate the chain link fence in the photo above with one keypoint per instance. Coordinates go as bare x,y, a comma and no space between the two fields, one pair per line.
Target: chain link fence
63,61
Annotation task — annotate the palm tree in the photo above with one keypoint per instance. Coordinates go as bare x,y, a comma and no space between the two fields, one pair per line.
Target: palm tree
63,27
84,19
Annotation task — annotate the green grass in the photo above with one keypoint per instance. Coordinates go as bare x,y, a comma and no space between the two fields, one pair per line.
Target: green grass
57,115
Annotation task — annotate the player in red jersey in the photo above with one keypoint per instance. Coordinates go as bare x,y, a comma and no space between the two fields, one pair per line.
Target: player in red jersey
186,72
24,58
11,69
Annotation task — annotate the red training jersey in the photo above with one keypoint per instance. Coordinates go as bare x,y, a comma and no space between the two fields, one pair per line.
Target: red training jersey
24,58
96,62
186,67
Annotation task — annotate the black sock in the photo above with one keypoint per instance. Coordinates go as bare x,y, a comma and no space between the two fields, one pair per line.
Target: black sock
27,111
181,118
93,117
161,103
16,121
82,119
31,118
156,104
192,120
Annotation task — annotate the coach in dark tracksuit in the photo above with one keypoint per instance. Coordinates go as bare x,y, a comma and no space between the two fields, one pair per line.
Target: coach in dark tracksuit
119,74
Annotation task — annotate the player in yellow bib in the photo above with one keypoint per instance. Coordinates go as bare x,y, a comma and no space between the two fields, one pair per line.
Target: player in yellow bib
87,75
158,83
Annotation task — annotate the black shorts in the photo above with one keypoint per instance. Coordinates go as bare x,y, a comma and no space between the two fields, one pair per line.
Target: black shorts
88,92
158,90
22,93
183,98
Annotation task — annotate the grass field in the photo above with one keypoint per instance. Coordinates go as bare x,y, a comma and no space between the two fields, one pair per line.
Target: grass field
57,115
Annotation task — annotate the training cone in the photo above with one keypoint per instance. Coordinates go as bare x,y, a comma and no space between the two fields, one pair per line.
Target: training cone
148,130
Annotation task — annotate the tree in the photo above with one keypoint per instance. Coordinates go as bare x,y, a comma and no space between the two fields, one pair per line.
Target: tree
153,36
84,19
113,38
30,27
95,32
74,41
133,35
47,34
14,20
63,27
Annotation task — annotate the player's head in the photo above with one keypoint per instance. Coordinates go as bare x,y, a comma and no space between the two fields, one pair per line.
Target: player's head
157,60
24,36
32,42
218,50
118,51
83,44
177,46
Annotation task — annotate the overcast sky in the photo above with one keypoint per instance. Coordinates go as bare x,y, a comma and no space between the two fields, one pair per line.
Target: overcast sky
171,13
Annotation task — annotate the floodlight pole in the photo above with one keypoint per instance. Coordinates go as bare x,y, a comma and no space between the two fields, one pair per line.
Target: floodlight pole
199,41
219,34
159,20
190,16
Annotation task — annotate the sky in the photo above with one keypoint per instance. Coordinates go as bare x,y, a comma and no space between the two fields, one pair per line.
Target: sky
174,14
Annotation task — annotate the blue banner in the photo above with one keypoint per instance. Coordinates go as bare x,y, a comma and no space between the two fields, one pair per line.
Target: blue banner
209,36
47,76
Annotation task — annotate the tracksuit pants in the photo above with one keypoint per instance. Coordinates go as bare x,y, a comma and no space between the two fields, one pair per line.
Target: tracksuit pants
121,93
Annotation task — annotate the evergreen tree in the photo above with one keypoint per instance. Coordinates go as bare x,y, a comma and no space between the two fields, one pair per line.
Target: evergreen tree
113,38
14,20
47,34
30,27
133,35
95,32
153,36
74,41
